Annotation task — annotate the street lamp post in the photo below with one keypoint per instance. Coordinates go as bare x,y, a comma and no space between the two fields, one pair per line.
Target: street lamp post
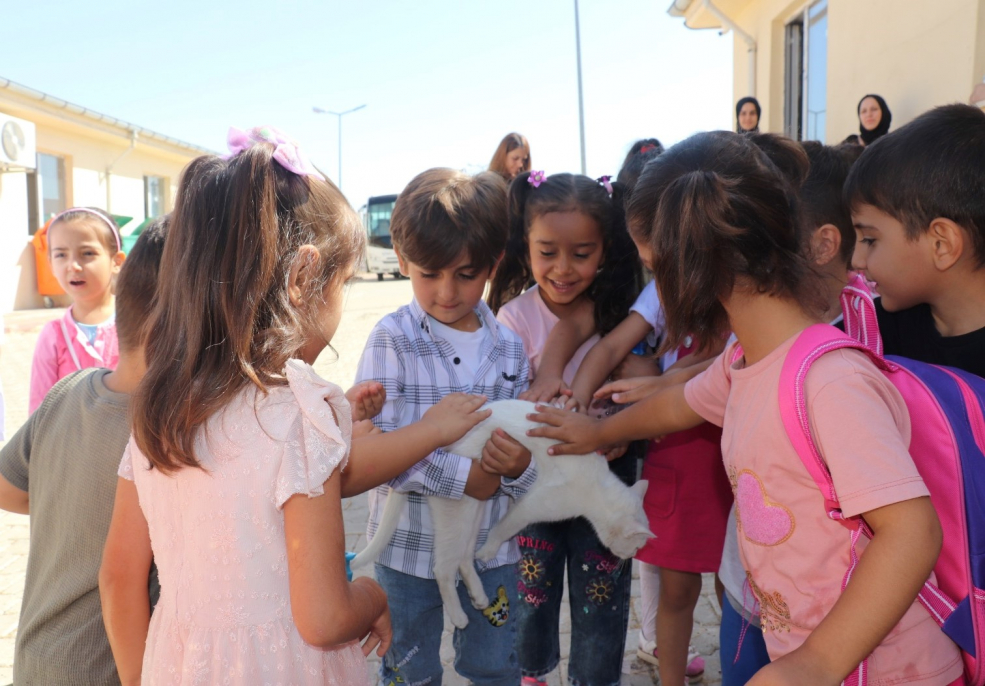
319,110
581,106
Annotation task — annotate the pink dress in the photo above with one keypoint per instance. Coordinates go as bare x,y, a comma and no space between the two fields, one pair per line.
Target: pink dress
224,615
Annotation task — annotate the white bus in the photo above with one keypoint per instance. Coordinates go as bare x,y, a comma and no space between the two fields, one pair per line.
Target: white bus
380,257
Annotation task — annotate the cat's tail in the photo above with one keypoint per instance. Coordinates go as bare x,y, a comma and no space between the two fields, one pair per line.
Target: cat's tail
384,532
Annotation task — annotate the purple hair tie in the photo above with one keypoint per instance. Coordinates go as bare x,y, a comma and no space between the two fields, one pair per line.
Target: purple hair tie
113,228
286,152
536,178
606,182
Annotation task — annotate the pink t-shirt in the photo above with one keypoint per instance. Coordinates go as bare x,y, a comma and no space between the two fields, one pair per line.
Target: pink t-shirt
529,318
794,555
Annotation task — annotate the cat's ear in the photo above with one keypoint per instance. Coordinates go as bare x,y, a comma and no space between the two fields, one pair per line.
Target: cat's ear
639,489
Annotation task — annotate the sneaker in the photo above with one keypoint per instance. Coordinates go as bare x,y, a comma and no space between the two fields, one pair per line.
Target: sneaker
695,670
532,681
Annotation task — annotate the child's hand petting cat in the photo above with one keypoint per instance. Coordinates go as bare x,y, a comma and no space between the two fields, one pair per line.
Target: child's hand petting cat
545,389
577,434
366,399
454,415
631,390
504,456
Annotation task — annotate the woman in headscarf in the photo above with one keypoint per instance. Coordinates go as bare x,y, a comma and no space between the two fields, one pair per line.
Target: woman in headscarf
512,157
874,119
747,112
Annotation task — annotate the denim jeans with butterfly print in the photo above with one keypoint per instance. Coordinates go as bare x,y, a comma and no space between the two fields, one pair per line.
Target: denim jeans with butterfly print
598,595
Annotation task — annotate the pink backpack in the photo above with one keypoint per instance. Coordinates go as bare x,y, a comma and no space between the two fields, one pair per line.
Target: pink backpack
948,448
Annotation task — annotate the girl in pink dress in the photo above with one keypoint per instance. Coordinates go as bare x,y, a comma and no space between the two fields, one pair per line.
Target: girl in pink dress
232,481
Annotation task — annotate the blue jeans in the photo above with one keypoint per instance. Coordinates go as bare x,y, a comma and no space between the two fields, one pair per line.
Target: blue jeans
484,652
753,655
598,596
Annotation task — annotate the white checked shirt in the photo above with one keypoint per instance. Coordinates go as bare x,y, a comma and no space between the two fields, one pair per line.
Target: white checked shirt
418,369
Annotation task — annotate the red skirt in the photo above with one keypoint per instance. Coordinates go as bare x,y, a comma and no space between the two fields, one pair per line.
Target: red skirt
687,501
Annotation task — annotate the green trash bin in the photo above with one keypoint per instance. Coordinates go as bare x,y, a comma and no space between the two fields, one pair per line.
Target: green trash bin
132,237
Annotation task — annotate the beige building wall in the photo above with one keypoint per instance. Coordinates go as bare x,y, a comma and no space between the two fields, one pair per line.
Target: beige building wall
916,54
88,147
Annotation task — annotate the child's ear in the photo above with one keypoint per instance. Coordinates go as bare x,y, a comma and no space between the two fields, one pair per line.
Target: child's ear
302,271
492,272
949,242
825,244
402,263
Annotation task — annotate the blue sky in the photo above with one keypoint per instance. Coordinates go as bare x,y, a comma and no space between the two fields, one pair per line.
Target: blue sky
442,80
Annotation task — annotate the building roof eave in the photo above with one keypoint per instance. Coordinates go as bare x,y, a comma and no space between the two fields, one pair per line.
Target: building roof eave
698,15
126,129
695,15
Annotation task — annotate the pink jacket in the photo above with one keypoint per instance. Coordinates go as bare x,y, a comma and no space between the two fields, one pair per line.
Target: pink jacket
62,348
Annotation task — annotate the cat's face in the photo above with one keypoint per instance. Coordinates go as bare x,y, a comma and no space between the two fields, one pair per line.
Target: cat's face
628,528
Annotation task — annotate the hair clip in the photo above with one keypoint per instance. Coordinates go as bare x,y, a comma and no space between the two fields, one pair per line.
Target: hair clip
647,148
286,152
606,183
536,178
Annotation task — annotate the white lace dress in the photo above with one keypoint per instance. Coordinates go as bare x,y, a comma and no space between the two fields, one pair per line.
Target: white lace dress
224,616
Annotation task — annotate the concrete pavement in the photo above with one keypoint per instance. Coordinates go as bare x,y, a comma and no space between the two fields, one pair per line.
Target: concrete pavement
367,301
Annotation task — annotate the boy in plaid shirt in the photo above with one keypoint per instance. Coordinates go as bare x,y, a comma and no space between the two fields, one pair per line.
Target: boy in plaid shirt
449,231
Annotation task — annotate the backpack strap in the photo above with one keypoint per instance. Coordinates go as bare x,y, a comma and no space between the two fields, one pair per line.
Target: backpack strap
859,310
812,343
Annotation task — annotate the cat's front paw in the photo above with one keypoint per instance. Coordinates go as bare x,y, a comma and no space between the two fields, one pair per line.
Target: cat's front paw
487,551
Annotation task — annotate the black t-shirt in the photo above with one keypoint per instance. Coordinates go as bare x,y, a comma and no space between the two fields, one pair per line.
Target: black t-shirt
912,333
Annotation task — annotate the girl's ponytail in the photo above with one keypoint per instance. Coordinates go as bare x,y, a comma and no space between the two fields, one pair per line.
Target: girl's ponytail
513,274
692,273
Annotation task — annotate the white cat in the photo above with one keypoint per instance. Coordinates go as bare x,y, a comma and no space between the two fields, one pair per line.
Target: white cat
567,486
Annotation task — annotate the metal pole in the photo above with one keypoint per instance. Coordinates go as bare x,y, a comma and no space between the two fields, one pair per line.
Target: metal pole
340,151
319,110
581,105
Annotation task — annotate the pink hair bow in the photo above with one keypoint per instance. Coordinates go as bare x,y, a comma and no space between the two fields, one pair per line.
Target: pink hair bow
606,182
286,151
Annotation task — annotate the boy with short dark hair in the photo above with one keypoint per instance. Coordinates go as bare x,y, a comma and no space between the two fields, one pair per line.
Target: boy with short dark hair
917,197
60,468
449,231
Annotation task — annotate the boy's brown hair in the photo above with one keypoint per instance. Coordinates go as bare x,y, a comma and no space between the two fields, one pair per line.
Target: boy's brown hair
136,286
443,213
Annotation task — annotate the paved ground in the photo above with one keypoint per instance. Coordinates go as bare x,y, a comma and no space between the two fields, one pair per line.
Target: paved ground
368,300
